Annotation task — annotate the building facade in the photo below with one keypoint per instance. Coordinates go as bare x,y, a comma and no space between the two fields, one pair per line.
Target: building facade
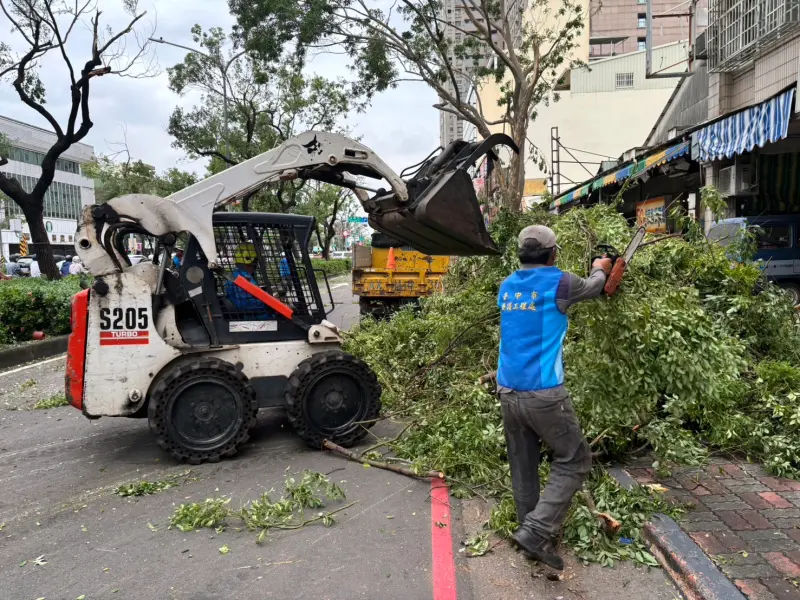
68,194
451,127
620,26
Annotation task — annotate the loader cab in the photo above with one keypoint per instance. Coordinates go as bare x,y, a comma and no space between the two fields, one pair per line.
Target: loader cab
270,251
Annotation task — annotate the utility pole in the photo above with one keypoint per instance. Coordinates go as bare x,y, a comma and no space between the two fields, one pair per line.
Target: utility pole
223,67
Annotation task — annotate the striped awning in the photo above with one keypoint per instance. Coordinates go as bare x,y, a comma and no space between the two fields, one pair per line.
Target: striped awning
754,126
631,170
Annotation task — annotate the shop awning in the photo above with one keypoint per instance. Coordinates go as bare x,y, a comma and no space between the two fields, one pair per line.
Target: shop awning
631,170
739,133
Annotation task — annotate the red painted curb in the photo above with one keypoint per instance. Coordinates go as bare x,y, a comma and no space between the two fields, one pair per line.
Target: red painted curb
444,566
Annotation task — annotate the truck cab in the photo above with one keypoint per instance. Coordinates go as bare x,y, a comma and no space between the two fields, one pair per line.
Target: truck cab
777,246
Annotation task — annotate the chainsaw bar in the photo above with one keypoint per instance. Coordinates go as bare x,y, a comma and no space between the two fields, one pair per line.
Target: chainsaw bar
621,264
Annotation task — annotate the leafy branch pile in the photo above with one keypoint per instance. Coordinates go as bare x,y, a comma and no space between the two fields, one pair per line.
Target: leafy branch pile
264,513
694,353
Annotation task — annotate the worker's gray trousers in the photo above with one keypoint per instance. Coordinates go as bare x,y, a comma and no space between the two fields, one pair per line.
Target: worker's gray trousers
545,416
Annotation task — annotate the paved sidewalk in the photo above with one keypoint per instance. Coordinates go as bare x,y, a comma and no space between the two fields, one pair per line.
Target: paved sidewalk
746,521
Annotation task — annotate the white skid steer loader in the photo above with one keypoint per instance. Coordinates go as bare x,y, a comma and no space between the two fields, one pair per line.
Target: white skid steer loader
238,324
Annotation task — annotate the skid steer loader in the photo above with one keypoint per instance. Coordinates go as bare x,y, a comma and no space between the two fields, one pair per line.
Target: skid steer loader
198,348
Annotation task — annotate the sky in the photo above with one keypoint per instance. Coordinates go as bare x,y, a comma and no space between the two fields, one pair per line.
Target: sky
400,125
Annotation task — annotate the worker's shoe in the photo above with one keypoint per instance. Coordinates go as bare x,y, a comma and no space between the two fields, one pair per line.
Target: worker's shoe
538,548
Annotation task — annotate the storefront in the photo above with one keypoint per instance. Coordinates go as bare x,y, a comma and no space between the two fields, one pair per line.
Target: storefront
61,233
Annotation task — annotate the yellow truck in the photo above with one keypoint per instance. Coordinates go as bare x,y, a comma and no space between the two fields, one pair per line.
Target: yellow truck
388,275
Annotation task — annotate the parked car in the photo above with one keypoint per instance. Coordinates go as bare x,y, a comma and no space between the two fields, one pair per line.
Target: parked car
341,254
777,243
137,258
25,265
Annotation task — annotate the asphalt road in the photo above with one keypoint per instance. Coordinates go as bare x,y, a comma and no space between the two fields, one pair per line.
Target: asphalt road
58,472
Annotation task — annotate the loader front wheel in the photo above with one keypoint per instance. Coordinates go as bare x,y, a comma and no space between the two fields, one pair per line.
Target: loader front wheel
332,396
202,410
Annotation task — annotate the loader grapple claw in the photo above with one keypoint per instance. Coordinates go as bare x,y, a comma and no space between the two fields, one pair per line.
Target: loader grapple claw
442,215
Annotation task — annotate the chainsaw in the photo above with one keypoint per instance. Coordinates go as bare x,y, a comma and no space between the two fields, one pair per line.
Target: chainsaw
619,264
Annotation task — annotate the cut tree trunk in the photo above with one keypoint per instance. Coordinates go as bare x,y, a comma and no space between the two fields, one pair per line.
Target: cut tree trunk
43,249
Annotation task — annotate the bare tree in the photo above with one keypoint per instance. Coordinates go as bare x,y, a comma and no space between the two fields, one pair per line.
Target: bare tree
521,45
43,27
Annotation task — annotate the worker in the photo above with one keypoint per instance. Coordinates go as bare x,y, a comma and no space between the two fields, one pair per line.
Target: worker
245,259
535,405
65,266
35,270
13,267
76,268
177,260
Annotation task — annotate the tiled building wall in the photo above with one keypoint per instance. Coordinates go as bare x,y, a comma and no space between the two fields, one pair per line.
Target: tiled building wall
765,77
616,18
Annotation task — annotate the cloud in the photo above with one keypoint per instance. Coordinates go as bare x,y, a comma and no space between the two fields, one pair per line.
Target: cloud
400,125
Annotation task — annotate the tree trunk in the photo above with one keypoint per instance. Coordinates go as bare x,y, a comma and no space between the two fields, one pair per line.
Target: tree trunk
329,233
44,251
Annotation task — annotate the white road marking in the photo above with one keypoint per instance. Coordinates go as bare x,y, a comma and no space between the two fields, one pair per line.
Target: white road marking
338,286
44,362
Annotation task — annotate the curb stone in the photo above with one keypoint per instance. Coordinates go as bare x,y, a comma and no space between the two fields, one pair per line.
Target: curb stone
30,351
697,577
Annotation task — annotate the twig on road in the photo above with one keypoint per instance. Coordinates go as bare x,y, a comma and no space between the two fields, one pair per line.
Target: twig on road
328,445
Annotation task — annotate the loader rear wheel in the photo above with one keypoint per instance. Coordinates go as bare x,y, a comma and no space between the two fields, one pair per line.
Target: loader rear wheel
332,396
202,410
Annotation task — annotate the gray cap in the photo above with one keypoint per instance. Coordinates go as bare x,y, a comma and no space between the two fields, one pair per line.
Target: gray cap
537,237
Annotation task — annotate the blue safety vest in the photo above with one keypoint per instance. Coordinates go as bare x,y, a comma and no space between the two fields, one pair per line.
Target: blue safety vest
532,330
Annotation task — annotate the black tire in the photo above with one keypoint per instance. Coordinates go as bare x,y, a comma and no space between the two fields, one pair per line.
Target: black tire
330,396
208,422
793,289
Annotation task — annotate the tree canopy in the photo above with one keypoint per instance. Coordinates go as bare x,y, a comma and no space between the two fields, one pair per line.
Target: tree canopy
521,47
113,179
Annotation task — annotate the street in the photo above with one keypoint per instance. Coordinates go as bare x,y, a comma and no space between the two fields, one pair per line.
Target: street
58,473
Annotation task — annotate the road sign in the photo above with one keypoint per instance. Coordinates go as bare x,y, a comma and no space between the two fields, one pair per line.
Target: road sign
357,219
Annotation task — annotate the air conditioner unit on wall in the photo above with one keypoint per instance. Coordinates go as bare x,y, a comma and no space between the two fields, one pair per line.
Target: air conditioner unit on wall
738,180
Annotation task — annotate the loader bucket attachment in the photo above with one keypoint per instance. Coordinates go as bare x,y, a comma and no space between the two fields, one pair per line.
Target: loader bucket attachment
445,220
442,215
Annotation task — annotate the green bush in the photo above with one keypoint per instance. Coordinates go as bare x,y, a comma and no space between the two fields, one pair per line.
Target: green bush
34,304
334,266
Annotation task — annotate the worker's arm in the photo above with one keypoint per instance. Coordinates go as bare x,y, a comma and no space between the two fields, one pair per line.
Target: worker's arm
574,289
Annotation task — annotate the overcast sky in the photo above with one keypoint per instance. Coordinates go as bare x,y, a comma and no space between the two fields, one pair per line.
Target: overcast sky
401,125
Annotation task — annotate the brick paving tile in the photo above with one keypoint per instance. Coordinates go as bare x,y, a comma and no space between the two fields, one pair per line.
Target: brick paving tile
710,544
755,500
794,534
719,506
734,520
794,555
753,589
786,523
773,545
737,487
739,559
705,526
783,564
775,500
781,485
699,515
732,470
755,520
764,535
758,571
782,513
783,589
731,541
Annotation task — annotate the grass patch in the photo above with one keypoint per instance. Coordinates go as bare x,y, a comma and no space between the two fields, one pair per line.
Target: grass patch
27,384
53,401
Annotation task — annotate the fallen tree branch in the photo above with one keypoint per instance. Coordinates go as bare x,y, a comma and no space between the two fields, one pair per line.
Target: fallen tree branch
488,378
661,239
608,523
389,441
328,445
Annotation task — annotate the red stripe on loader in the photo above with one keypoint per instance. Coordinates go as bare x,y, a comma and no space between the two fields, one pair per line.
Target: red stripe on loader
76,349
271,301
124,342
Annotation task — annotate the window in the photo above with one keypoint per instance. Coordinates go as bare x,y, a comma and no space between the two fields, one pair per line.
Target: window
770,237
641,1
35,158
61,200
624,80
641,43
642,18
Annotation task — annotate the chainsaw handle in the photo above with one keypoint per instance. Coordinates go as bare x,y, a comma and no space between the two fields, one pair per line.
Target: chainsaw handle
615,277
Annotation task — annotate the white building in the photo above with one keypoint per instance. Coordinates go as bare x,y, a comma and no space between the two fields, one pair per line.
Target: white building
603,111
68,194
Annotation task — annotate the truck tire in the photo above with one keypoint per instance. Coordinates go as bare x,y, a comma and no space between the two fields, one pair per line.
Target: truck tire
202,410
793,289
332,396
